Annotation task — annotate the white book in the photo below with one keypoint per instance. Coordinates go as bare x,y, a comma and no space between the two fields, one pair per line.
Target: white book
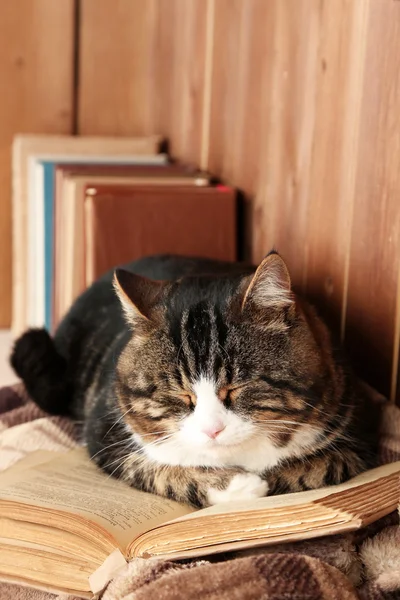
52,147
36,281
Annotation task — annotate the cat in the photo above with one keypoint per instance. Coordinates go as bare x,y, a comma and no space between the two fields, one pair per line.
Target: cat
202,381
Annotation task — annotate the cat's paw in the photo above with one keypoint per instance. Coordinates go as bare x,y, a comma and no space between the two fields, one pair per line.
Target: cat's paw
244,486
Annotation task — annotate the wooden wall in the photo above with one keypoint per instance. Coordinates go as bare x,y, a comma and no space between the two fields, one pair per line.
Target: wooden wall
296,102
36,75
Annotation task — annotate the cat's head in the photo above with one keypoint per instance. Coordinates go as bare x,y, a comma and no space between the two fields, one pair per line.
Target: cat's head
221,370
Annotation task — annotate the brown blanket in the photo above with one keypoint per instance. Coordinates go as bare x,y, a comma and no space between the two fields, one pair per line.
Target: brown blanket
364,565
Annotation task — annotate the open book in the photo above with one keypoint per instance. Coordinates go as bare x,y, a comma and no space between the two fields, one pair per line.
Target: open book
66,526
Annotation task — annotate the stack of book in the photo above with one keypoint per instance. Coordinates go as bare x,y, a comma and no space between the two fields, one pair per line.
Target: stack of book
82,205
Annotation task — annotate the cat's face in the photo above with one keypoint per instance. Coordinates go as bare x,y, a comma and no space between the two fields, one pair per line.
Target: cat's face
220,372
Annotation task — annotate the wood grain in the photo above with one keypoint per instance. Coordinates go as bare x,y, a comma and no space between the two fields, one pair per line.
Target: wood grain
36,68
303,103
241,57
262,118
152,57
280,212
336,104
371,335
295,102
283,101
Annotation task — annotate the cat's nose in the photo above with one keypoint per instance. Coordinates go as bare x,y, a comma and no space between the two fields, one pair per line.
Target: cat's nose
213,432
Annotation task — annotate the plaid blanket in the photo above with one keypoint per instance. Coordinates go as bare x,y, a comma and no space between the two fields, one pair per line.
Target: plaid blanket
364,565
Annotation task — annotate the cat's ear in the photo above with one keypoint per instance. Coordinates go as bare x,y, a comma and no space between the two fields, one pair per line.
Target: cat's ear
138,295
270,285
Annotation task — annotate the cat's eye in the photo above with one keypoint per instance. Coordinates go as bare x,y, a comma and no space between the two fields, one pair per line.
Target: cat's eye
188,399
229,394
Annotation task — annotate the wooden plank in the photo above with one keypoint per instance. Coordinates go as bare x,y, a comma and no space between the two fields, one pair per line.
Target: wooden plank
283,119
36,66
266,72
241,59
287,129
375,241
179,70
115,56
335,104
152,57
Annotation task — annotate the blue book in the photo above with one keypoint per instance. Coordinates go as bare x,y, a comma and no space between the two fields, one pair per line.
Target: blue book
49,172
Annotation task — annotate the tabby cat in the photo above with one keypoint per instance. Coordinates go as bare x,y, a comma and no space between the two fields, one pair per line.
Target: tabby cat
202,388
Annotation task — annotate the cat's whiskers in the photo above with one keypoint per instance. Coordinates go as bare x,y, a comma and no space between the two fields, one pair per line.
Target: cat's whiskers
272,431
124,441
177,356
141,450
264,426
342,436
284,422
223,349
275,427
114,411
134,457
159,440
143,435
118,421
322,411
338,451
315,408
123,460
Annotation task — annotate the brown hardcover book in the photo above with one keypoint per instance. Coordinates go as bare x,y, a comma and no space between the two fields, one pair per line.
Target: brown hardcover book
69,274
67,527
124,224
49,147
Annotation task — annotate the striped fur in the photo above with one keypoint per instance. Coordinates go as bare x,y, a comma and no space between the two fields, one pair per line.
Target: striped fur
212,388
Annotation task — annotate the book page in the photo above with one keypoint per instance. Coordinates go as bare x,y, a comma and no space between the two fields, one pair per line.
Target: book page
73,484
30,460
298,498
289,517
